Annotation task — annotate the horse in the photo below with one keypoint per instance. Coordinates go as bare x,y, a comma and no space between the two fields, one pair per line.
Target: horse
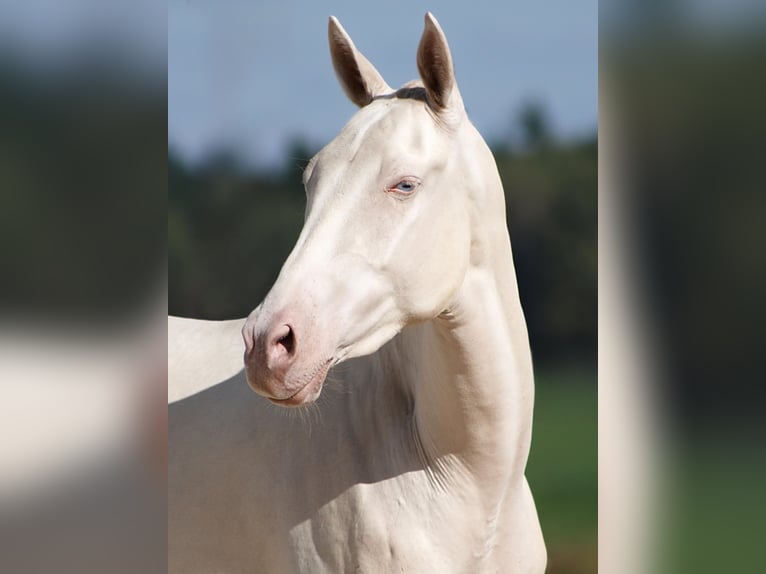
391,420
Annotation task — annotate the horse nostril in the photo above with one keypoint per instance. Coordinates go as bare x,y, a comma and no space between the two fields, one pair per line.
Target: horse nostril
280,348
287,340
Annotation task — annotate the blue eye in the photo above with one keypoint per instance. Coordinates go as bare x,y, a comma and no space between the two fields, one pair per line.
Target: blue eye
406,186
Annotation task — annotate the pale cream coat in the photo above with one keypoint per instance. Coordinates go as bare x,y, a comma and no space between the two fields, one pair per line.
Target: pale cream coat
410,456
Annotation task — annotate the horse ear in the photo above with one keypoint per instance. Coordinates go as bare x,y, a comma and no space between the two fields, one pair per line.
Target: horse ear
357,76
436,71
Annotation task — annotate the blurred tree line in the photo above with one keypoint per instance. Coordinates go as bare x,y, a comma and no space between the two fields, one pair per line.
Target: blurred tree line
230,228
82,180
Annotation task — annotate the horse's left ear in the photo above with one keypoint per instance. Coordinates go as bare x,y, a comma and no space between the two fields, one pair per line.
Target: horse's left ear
437,72
357,76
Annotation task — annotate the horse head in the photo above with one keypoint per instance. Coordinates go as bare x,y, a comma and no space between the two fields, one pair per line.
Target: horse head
390,224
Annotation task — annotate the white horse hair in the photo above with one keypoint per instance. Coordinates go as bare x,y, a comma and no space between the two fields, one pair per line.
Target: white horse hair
412,459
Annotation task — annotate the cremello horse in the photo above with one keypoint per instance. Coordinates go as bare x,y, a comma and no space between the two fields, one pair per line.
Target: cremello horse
413,458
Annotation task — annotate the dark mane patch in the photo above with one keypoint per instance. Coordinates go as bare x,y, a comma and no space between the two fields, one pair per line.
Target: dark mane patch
410,91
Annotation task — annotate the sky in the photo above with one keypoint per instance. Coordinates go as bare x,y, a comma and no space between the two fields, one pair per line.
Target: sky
250,77
51,33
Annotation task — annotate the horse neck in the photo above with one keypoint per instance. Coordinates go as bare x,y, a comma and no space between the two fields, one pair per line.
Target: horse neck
470,371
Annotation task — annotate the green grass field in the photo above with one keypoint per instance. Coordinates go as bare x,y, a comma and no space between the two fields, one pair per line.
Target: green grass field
709,517
562,469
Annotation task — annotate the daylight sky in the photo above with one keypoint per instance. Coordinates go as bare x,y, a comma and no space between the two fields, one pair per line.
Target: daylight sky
251,76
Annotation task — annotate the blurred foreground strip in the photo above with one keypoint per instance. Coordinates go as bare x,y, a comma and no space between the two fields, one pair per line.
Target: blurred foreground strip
629,418
681,285
82,248
82,442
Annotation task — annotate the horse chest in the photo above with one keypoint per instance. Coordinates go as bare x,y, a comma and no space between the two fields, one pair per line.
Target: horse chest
358,500
397,525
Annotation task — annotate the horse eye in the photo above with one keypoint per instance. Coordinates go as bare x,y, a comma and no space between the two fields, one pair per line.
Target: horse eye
406,186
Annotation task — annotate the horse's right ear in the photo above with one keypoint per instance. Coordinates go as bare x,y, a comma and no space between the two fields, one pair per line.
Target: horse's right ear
437,73
357,76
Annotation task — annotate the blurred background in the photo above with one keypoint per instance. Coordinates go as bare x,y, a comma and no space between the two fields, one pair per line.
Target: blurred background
83,179
252,96
682,283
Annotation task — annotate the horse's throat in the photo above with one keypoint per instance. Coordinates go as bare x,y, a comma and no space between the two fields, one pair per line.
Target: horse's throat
473,393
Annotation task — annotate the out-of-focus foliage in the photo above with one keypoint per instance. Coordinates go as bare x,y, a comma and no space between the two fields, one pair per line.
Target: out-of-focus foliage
231,228
551,210
229,232
82,222
694,130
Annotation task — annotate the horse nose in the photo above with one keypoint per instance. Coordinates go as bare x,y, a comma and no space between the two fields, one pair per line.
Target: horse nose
280,348
269,354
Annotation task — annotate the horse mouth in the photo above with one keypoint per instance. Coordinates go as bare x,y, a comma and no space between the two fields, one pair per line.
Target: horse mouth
309,392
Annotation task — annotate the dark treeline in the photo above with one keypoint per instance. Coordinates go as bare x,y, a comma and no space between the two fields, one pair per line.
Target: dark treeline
230,229
82,190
